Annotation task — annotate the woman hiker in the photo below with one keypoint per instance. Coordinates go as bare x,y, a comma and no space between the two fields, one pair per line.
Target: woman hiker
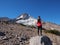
39,26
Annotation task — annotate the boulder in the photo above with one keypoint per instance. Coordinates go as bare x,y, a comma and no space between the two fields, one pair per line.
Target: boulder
40,40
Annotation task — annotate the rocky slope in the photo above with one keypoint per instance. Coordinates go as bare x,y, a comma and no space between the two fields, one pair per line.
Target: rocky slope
51,26
16,34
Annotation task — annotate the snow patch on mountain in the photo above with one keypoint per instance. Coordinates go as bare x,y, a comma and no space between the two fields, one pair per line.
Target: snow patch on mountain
26,20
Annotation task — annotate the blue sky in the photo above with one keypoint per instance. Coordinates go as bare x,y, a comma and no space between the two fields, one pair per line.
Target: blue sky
49,10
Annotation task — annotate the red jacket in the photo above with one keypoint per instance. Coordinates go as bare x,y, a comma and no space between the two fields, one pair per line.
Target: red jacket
39,24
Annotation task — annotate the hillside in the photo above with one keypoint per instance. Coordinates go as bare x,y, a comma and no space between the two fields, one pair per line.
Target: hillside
26,19
16,34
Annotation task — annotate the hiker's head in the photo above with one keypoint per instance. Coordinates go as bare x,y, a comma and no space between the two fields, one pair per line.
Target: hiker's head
38,17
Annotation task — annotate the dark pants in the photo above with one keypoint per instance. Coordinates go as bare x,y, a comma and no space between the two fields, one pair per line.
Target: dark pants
40,30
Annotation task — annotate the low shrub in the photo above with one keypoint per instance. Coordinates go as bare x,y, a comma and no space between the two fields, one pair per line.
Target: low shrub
22,24
53,32
32,26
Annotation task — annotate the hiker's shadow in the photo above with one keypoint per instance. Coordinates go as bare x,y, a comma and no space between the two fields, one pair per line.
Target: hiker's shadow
46,40
2,34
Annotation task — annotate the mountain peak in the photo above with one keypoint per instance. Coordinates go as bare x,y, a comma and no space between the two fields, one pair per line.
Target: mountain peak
23,16
26,19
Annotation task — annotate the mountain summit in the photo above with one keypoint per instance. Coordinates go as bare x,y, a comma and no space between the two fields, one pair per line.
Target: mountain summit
23,16
26,19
